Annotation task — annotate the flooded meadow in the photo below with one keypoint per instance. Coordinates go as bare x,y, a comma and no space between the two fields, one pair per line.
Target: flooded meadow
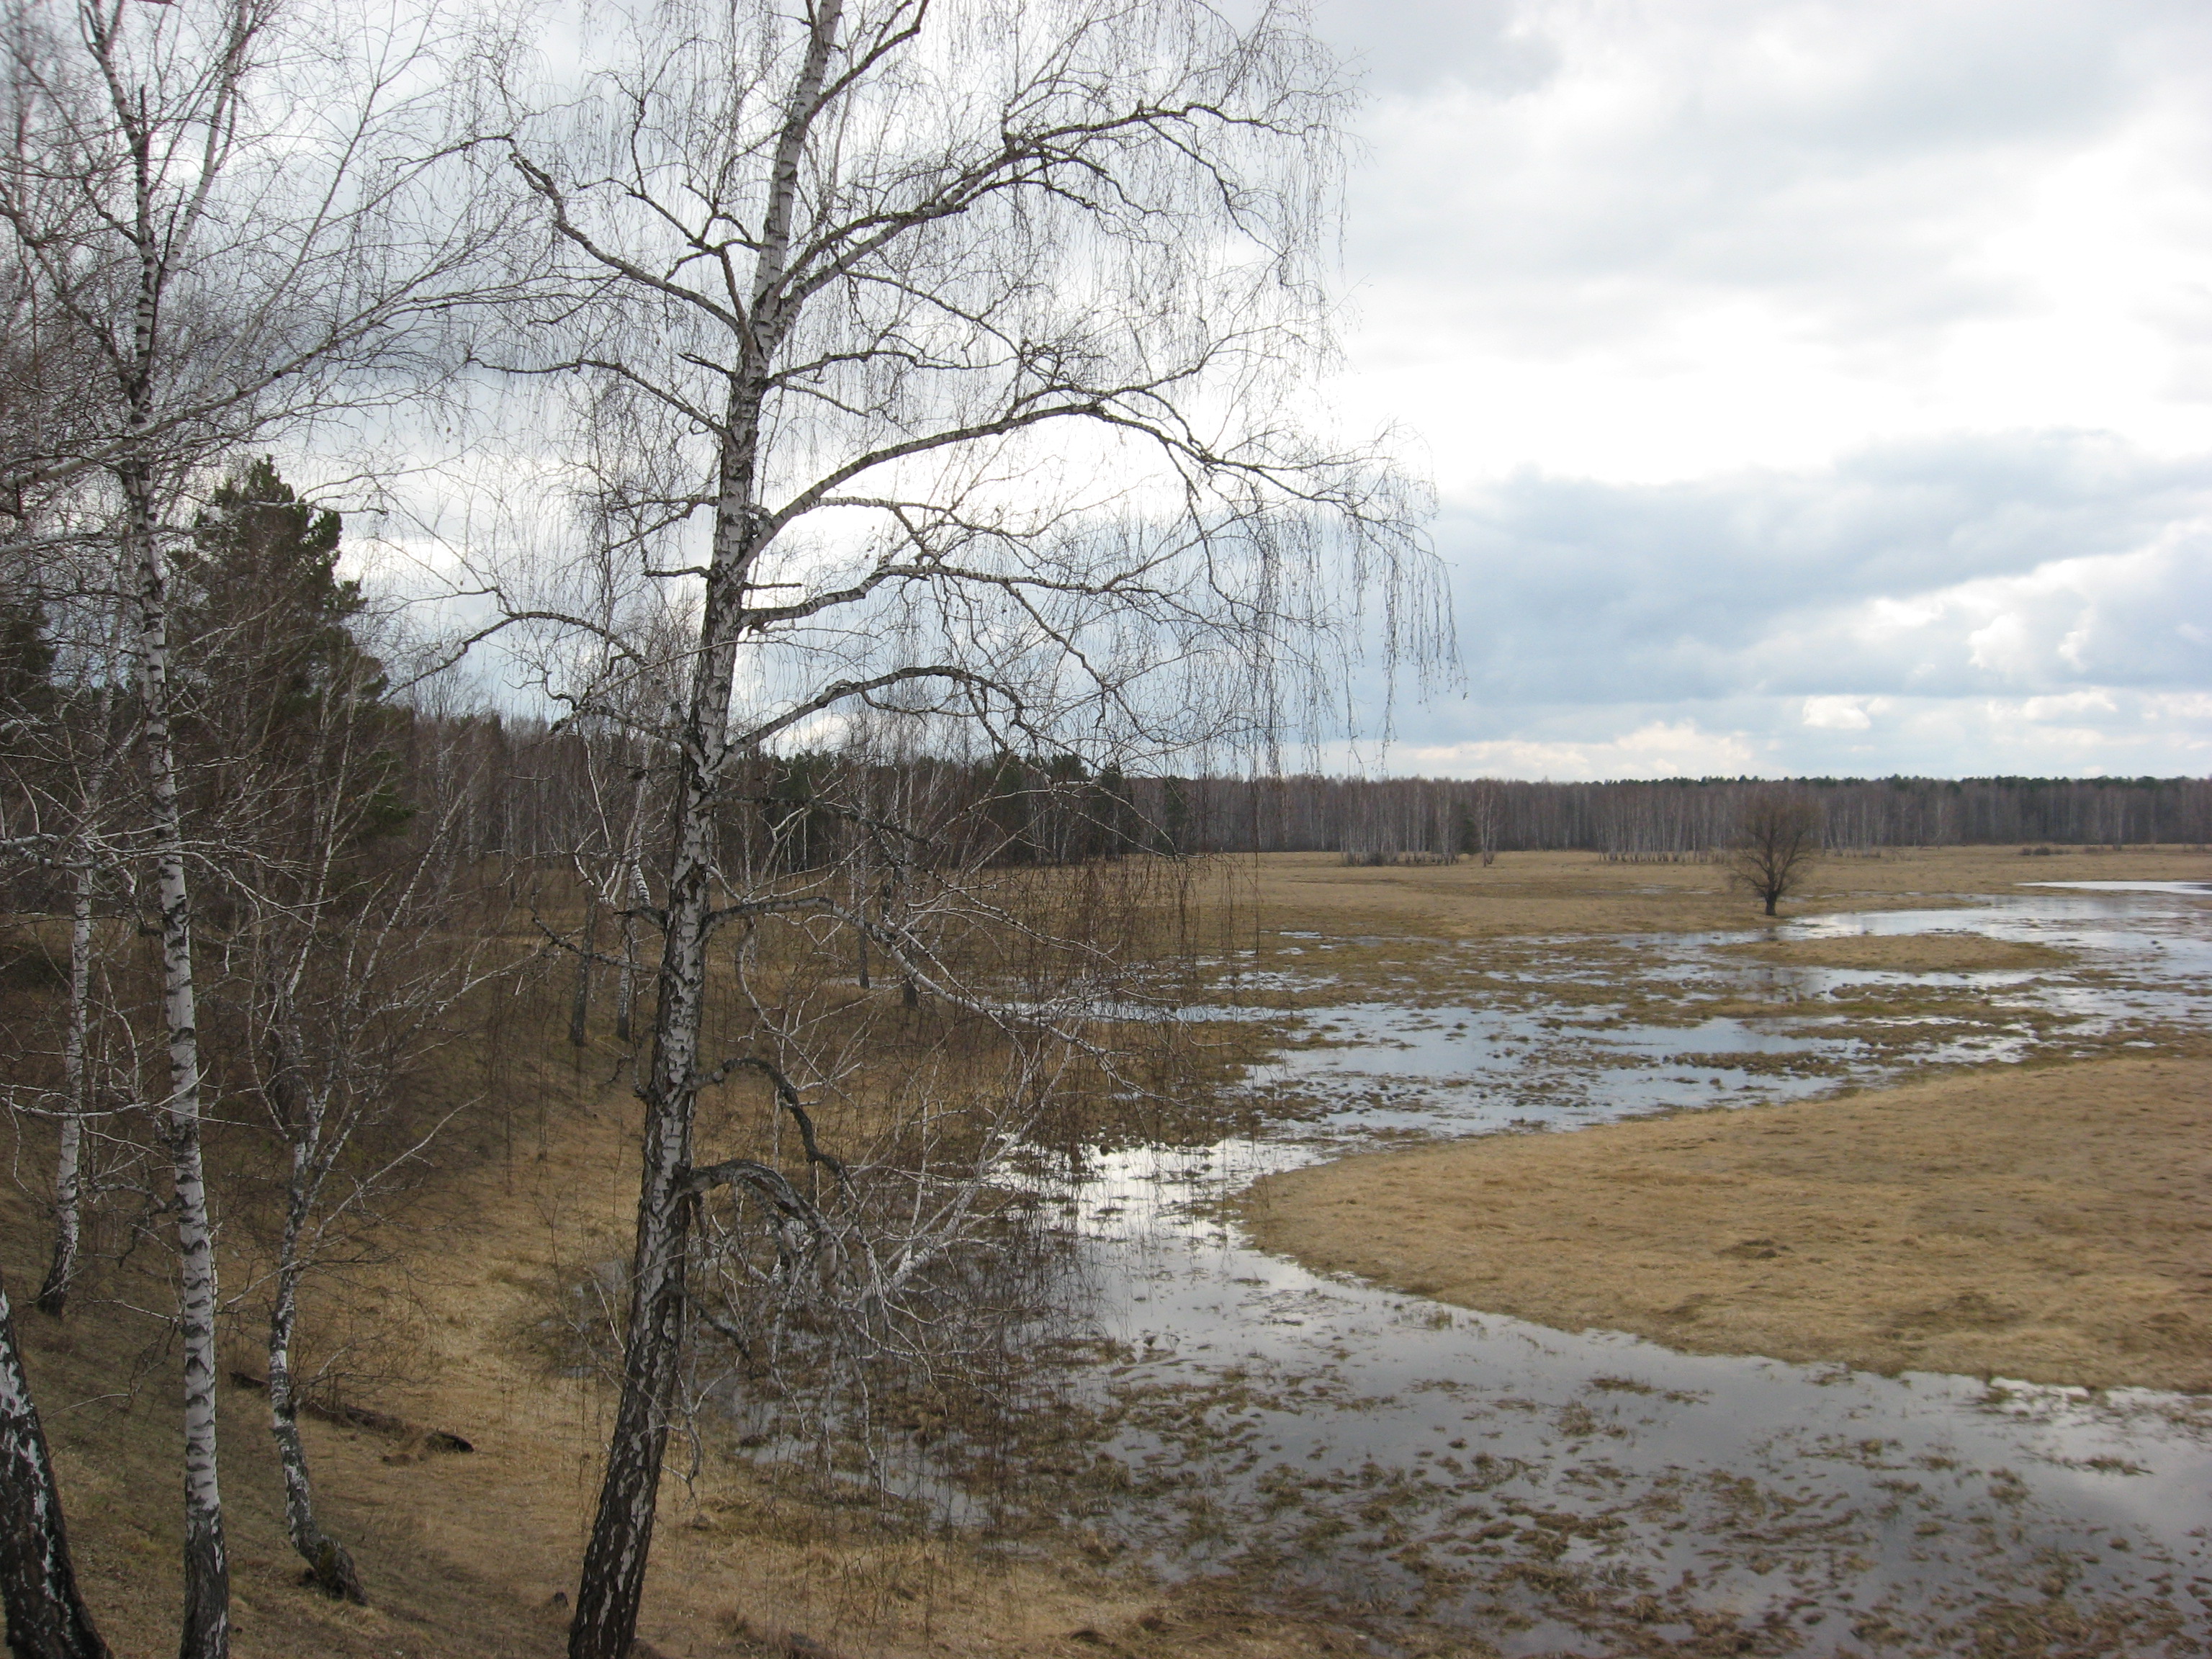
1456,1476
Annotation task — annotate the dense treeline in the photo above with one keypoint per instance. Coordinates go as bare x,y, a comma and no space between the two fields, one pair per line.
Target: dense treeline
1679,817
527,799
533,791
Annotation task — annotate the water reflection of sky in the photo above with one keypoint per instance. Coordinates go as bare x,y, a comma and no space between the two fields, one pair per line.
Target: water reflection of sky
1380,1449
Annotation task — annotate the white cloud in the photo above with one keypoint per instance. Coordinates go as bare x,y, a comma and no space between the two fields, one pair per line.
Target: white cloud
1838,714
2001,644
2073,706
2193,707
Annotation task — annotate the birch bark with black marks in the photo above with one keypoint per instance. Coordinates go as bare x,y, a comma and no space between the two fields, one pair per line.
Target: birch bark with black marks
327,1559
46,1617
206,1628
203,1630
612,1582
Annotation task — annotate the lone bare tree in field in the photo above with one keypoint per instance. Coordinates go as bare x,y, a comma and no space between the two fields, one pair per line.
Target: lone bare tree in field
1777,840
945,358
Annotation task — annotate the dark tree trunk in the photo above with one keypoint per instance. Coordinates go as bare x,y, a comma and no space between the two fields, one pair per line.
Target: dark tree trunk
613,1580
46,1617
612,1584
580,1011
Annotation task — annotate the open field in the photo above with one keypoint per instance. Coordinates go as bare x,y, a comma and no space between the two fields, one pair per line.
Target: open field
1565,893
2036,1224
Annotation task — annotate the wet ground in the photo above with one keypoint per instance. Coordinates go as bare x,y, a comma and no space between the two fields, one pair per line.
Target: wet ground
1436,1471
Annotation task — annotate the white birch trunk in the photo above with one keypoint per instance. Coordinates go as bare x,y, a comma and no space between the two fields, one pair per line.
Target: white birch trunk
206,1627
612,1583
327,1559
46,1617
68,1162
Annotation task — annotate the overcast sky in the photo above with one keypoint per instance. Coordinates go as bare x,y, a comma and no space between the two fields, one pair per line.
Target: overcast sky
1809,388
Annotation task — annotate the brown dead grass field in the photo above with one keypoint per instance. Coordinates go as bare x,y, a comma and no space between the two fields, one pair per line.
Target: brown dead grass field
1556,893
2053,1225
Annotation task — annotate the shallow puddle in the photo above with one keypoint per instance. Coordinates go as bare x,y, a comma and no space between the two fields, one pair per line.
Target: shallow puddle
1554,1492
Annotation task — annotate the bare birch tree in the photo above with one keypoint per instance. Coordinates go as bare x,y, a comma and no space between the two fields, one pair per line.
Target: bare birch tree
60,755
353,980
952,359
341,956
60,765
227,204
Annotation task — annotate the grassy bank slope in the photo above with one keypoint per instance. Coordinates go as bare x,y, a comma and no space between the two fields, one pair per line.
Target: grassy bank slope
471,1556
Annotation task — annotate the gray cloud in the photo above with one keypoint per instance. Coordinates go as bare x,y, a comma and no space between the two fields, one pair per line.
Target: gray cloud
1577,589
1412,46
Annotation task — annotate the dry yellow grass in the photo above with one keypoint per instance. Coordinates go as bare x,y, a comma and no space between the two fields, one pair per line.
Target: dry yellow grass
1551,893
2054,1225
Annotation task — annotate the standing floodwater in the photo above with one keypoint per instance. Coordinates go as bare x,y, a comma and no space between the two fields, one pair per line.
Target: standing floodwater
1597,1494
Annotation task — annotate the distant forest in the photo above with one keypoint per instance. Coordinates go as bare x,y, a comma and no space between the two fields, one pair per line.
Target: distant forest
521,789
